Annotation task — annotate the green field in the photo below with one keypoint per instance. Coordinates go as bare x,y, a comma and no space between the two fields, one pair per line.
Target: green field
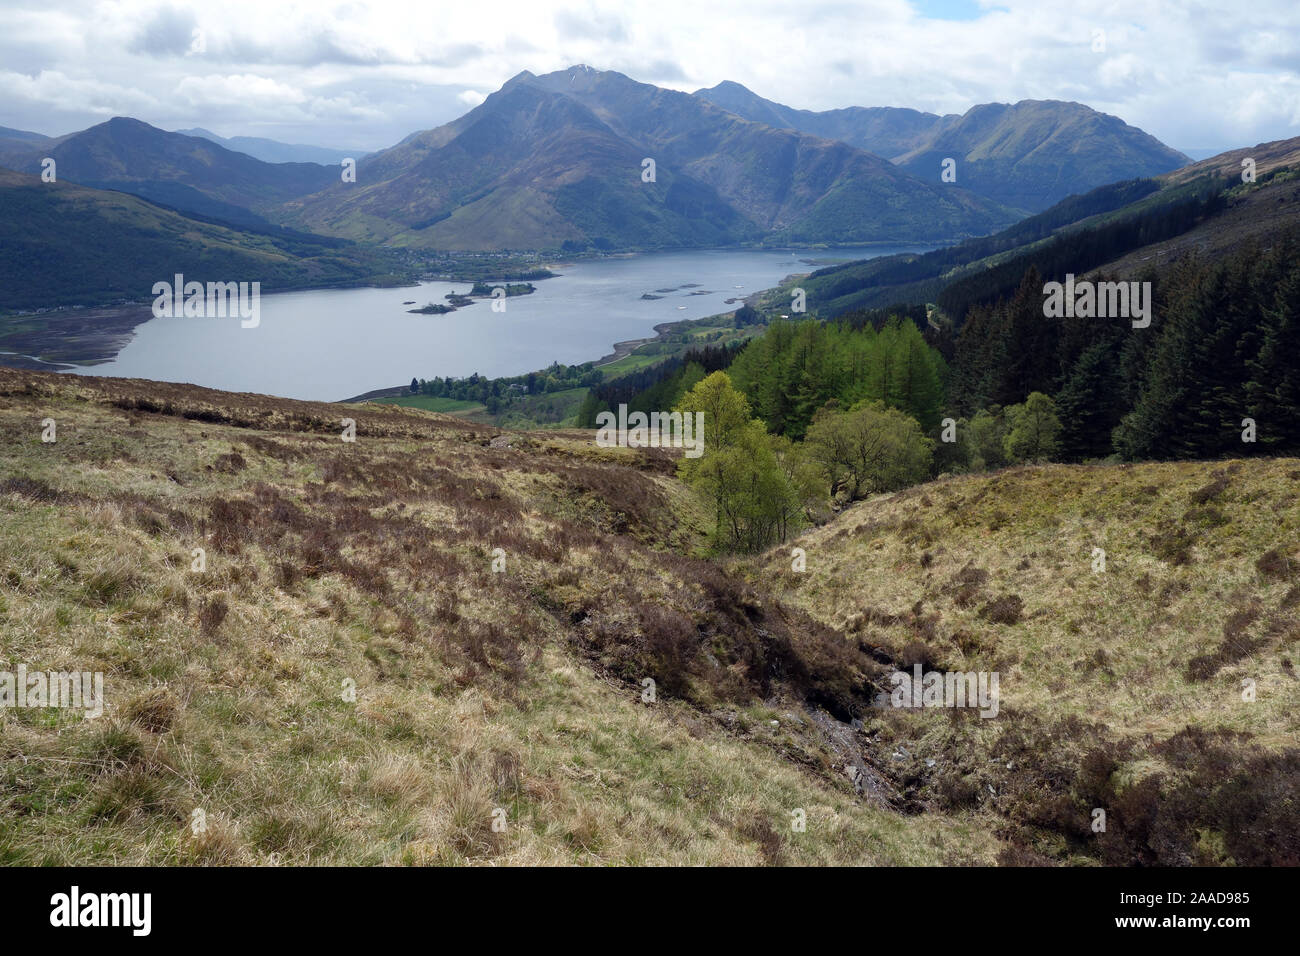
629,363
712,330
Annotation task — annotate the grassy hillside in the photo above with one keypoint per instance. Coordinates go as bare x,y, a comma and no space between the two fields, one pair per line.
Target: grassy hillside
1120,689
371,561
330,561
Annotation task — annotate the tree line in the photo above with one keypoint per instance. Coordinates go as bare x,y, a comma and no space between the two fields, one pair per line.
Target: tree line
496,393
1222,349
814,413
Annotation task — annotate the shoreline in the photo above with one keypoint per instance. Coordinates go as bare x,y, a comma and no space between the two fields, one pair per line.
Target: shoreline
69,338
82,336
624,349
621,349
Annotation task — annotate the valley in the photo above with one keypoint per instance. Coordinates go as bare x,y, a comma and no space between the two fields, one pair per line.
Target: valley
372,562
330,344
615,467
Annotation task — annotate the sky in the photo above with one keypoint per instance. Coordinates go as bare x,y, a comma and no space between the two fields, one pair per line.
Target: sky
1200,76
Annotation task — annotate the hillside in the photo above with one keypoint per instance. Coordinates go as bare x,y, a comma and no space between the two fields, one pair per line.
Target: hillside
1124,226
1254,214
188,173
1027,155
886,131
556,161
1120,688
371,562
1267,156
70,245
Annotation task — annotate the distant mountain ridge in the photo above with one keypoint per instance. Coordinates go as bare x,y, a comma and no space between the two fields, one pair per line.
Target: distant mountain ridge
1027,155
22,135
188,173
274,151
557,160
563,162
886,131
67,244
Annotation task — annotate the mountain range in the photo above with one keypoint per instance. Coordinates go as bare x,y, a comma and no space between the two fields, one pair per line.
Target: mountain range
274,151
558,162
1026,155
187,173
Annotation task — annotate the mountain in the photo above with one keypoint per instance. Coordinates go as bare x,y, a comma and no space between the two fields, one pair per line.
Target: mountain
65,244
557,161
187,173
19,145
886,131
273,151
1026,155
10,137
1121,229
1036,152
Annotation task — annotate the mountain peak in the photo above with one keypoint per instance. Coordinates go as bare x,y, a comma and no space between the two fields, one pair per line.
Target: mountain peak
124,128
522,78
580,76
726,86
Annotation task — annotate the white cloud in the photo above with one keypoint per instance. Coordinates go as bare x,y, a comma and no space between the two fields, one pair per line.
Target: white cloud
247,89
471,98
1192,72
51,89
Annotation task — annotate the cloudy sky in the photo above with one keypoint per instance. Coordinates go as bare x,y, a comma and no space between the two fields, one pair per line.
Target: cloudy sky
1198,75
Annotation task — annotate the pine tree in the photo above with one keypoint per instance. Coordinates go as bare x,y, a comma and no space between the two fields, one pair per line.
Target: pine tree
919,389
1163,419
1273,388
1090,405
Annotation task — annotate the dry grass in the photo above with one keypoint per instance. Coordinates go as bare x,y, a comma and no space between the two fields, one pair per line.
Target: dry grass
996,573
349,682
480,697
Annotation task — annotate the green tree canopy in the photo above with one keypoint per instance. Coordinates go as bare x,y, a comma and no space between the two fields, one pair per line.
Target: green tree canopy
1033,430
869,448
